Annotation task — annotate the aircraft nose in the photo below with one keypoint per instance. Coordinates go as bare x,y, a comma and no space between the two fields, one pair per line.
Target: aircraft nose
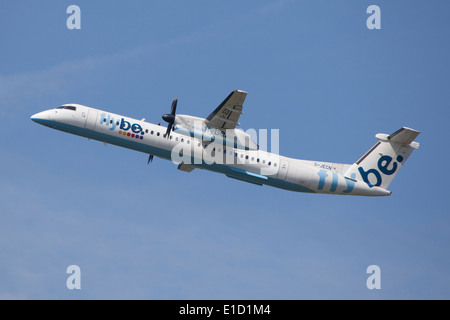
41,117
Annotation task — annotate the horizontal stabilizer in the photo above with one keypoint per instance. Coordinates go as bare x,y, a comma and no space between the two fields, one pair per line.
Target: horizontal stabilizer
404,136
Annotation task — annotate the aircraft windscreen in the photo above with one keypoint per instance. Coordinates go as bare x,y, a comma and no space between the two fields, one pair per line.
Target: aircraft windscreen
67,108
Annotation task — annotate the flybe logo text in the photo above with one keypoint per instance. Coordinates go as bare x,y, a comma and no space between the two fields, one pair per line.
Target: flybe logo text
108,120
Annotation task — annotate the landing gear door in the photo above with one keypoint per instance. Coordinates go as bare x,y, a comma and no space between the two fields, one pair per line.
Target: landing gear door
91,119
282,171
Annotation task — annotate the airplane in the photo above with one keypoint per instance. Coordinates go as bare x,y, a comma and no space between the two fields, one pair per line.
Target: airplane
216,144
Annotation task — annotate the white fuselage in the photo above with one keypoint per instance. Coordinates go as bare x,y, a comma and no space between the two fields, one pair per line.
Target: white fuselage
191,151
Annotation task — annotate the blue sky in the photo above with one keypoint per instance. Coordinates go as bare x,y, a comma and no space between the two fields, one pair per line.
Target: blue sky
312,69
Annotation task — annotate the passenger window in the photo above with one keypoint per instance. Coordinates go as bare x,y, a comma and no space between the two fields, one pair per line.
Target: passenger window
152,132
157,134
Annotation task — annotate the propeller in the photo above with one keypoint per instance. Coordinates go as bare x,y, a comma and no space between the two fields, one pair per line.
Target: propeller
170,117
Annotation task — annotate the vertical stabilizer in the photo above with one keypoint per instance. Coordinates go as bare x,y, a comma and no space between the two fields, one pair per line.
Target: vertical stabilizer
379,166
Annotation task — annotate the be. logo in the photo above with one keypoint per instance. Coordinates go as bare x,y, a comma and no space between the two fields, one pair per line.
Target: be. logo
383,166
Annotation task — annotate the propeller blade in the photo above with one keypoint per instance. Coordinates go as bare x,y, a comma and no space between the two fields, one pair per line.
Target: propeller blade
173,109
169,127
170,117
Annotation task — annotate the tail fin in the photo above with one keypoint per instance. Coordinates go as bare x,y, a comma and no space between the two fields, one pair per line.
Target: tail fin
379,166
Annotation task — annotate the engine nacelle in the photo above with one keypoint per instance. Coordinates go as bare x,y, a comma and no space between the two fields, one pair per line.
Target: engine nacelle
196,127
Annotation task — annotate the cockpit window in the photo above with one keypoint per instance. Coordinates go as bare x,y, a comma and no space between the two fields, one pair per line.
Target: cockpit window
67,107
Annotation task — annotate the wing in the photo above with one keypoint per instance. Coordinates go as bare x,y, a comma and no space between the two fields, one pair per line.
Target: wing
227,114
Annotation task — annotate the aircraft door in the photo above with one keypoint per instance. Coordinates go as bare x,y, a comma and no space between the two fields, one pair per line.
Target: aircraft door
91,119
282,170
